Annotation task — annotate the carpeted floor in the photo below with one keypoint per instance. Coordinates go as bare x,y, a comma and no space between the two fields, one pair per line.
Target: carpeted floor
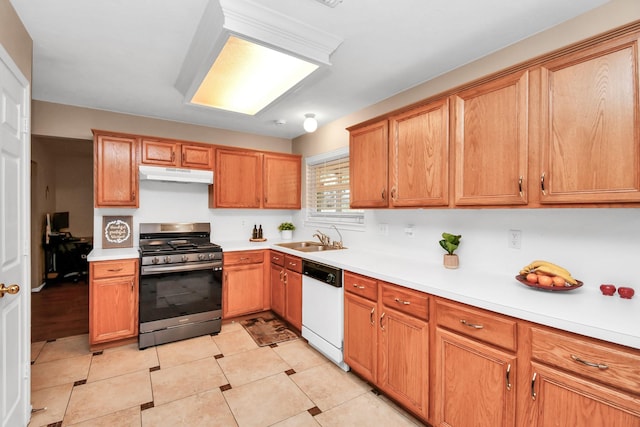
268,330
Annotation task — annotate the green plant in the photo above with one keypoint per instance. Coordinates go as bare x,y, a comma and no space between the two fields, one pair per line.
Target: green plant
286,226
450,242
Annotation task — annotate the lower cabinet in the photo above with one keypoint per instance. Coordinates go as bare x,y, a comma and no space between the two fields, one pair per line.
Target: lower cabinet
243,285
113,300
387,339
286,287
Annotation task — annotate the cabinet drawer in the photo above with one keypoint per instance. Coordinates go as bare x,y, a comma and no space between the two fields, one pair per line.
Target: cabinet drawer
277,258
247,257
479,324
105,269
408,301
602,362
360,285
293,263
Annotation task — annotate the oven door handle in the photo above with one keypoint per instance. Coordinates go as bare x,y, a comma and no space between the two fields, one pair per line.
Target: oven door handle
159,269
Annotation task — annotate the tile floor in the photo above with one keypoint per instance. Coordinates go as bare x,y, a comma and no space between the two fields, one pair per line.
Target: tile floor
224,380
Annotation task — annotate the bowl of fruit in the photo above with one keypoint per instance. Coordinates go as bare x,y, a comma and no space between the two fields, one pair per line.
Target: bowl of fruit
547,276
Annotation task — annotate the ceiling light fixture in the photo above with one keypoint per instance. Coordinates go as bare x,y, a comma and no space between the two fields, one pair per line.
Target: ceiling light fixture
330,3
244,56
310,123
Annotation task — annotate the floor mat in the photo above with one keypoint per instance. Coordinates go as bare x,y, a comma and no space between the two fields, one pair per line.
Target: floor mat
267,331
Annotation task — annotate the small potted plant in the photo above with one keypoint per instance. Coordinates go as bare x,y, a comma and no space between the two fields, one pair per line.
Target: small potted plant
286,230
450,243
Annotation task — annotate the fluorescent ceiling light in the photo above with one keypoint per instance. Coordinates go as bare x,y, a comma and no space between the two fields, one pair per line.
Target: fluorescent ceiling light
209,77
246,77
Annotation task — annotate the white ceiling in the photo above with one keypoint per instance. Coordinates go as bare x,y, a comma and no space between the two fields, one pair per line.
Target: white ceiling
125,55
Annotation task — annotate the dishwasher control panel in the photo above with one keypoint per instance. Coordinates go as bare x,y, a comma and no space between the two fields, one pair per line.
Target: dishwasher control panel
322,272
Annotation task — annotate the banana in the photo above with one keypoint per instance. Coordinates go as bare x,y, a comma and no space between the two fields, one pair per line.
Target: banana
538,263
552,271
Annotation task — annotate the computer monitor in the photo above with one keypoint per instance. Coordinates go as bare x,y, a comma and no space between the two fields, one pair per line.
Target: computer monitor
60,221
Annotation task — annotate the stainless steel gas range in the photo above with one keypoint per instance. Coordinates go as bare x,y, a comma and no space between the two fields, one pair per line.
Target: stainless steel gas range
180,282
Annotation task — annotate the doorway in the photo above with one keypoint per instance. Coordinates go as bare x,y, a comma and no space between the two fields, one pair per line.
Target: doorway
61,186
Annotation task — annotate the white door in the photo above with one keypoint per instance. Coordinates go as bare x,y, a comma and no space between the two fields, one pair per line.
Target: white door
15,312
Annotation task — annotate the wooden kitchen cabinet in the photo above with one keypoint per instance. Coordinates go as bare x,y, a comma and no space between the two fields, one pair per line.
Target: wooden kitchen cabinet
368,165
170,153
387,339
475,367
419,156
589,127
286,288
281,181
491,142
113,300
115,171
243,285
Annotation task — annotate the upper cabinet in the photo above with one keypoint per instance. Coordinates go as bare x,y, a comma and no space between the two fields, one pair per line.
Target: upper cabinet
589,125
252,179
491,142
115,171
418,156
368,160
176,154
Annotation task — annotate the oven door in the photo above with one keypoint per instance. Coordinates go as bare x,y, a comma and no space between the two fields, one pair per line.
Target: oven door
171,298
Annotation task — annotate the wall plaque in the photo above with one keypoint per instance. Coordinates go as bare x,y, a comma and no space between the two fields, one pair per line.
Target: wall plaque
117,232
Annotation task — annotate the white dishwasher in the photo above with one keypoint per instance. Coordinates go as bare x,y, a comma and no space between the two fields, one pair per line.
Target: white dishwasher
323,310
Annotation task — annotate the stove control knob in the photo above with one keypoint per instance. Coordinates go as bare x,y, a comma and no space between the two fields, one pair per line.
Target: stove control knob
184,258
212,256
167,259
155,260
201,257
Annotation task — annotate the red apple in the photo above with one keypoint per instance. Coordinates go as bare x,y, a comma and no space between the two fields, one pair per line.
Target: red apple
607,289
626,292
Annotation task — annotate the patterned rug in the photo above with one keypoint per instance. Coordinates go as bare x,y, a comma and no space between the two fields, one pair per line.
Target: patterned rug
267,331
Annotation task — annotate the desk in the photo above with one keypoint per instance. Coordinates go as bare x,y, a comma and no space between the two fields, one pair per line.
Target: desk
66,257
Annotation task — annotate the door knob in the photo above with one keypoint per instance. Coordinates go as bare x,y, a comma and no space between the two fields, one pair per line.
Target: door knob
12,289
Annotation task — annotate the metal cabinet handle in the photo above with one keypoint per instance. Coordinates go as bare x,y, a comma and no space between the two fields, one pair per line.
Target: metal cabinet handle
382,317
471,325
173,156
371,318
509,376
533,386
114,270
384,194
286,275
281,273
591,364
399,301
355,285
520,186
393,193
131,285
544,192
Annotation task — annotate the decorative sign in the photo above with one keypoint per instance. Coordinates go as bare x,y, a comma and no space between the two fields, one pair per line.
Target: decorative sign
117,232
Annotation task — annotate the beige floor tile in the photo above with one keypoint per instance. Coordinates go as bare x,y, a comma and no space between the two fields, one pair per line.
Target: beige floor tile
204,409
63,348
126,418
364,410
235,342
93,400
328,386
55,399
252,365
186,379
123,361
36,348
179,352
300,355
267,401
230,327
58,372
303,419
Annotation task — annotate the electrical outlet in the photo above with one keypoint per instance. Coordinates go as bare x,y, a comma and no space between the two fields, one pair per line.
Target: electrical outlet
409,231
383,229
515,239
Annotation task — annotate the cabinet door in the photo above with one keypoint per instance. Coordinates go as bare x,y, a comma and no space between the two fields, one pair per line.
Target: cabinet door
419,156
590,128
114,309
156,152
475,383
360,336
403,367
281,181
491,142
277,290
196,156
242,290
293,289
238,179
561,399
116,171
368,160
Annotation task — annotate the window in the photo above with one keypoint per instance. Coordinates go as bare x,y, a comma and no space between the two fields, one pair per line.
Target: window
328,189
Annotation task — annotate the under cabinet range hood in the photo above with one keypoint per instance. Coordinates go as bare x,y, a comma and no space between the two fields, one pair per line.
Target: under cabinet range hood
158,173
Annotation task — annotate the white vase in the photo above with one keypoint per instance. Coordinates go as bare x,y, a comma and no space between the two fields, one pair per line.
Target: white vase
287,234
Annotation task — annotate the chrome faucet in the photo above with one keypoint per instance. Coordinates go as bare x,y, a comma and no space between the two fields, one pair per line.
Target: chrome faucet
339,244
324,239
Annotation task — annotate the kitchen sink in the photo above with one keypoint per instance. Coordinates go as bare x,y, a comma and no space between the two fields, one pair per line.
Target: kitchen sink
307,246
